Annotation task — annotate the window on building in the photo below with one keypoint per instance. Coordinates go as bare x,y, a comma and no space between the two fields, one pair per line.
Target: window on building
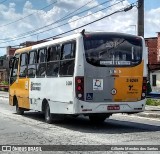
23,64
32,64
67,59
158,55
1,62
154,78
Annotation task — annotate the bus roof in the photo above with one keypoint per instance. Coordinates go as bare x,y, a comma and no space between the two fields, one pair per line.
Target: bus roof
70,37
48,43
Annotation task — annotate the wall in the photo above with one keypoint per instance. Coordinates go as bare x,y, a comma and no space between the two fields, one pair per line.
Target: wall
157,87
153,60
153,45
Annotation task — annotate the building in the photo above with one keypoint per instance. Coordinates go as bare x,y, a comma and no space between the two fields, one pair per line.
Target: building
4,64
4,68
153,45
4,60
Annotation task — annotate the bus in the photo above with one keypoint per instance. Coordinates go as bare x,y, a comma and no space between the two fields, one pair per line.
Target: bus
95,74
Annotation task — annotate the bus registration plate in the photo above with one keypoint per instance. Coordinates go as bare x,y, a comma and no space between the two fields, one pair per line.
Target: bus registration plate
113,107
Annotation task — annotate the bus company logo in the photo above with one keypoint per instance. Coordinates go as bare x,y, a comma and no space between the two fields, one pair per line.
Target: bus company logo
130,87
35,86
97,84
6,148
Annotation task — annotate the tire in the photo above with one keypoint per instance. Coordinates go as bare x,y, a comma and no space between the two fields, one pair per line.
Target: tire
19,110
98,118
48,116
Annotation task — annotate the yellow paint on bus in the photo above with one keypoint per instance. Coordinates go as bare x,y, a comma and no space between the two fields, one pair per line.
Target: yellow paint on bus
128,84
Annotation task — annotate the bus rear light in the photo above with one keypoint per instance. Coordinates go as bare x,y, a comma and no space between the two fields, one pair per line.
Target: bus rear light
79,87
79,81
144,88
143,94
79,95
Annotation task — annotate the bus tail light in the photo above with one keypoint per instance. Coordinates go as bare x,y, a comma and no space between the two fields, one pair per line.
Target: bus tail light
144,88
79,87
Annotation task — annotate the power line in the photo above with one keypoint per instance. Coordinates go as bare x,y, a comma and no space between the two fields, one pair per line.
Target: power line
76,19
129,7
17,38
61,19
121,10
14,39
75,10
28,15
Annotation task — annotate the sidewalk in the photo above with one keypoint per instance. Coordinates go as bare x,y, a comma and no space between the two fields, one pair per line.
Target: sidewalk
150,111
4,94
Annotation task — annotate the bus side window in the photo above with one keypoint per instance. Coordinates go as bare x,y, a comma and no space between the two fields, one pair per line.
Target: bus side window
67,59
23,64
41,63
15,68
53,56
53,53
32,63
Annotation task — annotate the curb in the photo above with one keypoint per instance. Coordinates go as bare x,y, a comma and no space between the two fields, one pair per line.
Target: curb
149,115
4,97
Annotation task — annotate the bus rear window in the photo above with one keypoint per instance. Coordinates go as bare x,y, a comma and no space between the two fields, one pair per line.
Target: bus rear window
113,50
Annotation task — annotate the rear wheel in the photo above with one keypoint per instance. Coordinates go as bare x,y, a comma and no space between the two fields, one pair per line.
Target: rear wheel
19,110
98,118
48,116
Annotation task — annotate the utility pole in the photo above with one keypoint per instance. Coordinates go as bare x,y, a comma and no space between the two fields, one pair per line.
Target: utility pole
140,26
140,18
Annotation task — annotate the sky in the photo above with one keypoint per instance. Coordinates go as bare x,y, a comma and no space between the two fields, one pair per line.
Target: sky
32,20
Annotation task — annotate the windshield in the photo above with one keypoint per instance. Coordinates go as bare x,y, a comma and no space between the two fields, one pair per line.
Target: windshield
112,50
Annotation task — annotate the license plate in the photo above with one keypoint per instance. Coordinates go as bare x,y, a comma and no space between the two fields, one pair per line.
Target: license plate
113,107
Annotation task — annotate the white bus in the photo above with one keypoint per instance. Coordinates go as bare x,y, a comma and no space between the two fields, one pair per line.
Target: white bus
94,74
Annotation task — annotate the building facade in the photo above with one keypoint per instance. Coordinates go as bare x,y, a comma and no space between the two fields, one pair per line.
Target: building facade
153,45
4,64
4,60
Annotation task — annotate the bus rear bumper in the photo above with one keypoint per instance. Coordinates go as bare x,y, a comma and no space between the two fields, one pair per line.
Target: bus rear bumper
112,107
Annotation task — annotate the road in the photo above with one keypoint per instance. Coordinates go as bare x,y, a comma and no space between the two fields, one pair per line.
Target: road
119,129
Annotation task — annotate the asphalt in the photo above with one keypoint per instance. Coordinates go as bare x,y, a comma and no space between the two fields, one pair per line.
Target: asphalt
150,111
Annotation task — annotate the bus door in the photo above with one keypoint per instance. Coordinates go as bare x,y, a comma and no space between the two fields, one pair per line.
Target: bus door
13,64
22,90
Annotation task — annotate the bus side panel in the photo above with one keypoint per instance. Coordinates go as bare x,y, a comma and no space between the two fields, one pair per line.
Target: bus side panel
12,93
20,89
98,84
57,91
128,85
23,93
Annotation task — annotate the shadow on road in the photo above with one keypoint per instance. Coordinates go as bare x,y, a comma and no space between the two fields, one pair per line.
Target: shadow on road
110,126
